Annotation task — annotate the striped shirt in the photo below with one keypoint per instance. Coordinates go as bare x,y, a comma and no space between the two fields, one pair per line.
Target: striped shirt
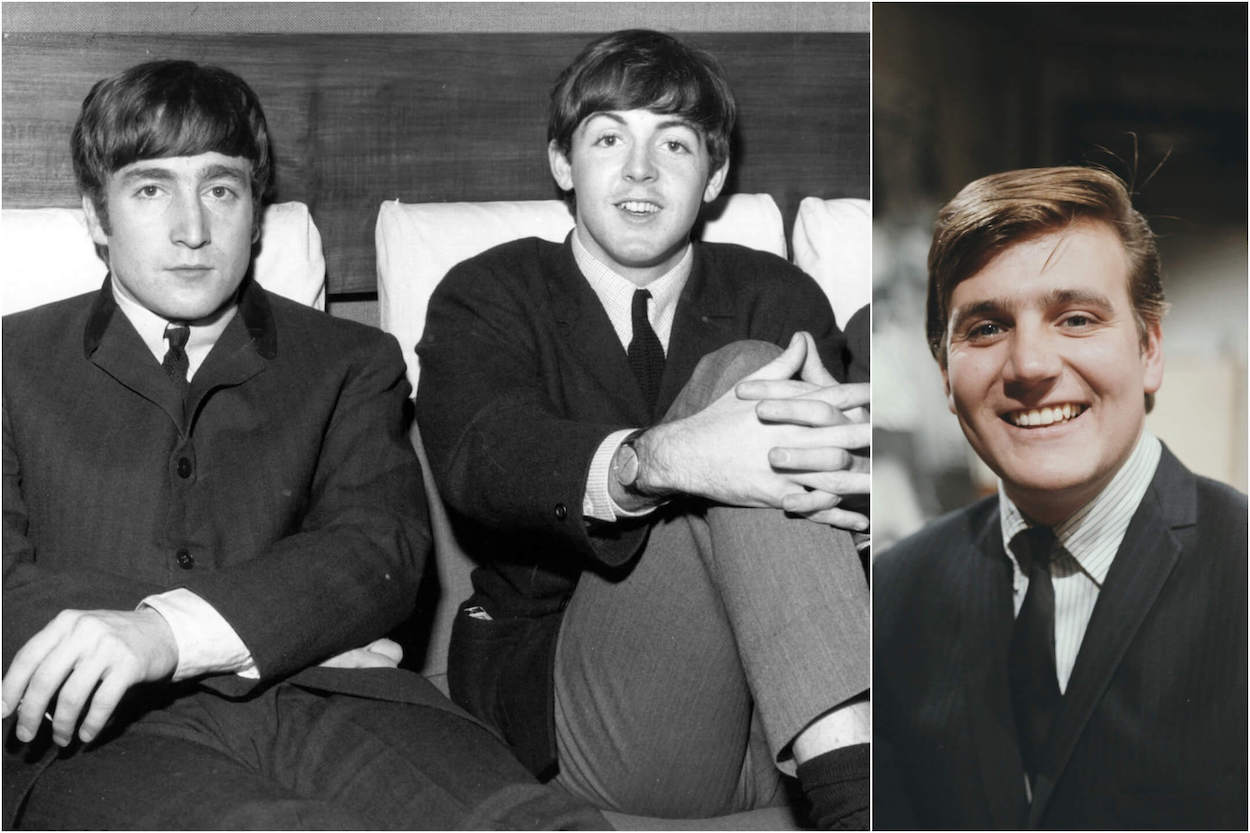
1088,542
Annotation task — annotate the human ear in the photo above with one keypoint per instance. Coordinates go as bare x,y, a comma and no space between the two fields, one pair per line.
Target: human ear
94,224
1152,358
561,168
716,182
946,388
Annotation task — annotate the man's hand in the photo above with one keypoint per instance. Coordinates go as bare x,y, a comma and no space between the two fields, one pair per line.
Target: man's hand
380,653
92,658
725,452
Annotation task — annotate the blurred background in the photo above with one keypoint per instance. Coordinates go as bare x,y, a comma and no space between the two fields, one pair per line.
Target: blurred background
964,90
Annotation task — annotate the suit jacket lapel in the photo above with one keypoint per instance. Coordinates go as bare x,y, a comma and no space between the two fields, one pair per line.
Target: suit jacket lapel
703,323
1144,561
242,350
111,342
982,644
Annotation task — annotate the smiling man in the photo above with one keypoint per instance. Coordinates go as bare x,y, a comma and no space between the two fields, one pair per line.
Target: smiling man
212,516
649,626
1070,653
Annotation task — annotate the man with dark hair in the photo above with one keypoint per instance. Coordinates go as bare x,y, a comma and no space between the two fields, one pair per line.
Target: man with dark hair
196,547
649,626
1070,653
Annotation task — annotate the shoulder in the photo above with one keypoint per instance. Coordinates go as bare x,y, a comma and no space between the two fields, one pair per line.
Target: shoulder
926,556
313,335
54,315
736,263
528,254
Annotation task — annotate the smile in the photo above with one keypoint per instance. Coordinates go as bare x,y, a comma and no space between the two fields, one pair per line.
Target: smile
1048,415
638,207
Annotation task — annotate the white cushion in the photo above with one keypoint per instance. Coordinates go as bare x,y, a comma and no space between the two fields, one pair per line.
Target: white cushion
46,254
833,243
418,243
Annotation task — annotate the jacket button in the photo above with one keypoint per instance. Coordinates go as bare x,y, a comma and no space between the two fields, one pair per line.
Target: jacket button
562,511
185,559
184,468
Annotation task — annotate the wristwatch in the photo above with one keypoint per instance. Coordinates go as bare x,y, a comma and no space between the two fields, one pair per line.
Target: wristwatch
625,462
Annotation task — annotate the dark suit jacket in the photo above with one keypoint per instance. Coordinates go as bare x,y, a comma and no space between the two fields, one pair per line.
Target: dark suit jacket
289,488
522,377
1152,732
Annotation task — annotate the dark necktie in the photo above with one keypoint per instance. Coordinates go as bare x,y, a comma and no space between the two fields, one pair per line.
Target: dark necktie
175,361
1034,682
646,355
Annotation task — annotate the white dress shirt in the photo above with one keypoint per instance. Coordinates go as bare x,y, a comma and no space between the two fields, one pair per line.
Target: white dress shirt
207,644
616,294
1089,540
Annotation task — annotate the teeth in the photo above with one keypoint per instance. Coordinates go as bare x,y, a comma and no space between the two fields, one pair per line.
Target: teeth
1046,416
639,207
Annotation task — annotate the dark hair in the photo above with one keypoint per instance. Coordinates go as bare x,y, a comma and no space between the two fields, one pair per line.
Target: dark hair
639,69
168,108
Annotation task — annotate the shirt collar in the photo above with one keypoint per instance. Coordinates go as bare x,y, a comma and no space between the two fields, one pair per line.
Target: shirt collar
1092,535
616,292
151,328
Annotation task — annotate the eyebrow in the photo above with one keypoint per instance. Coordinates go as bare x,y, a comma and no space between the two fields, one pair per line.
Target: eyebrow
673,122
998,307
162,174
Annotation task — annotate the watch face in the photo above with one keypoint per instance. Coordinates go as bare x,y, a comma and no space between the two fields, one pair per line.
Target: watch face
628,471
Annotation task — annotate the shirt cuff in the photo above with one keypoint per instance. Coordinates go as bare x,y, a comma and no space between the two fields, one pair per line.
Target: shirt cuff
207,644
598,503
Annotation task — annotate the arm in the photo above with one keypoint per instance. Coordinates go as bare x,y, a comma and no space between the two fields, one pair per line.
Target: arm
363,534
509,432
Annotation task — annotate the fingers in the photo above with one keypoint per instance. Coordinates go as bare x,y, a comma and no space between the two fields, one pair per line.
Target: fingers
813,368
841,518
799,412
387,648
825,458
785,365
22,691
757,389
835,482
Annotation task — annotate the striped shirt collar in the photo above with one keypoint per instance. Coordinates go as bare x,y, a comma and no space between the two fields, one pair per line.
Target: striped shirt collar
1093,534
616,293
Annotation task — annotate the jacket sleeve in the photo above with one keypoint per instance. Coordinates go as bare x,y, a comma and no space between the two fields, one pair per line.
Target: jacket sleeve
349,573
502,451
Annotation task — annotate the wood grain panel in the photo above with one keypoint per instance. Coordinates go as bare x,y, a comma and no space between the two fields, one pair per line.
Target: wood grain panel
358,119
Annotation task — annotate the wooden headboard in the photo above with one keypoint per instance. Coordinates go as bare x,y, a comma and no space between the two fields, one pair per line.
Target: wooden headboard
361,118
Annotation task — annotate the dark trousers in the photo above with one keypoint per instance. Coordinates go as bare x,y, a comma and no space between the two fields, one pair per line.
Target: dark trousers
295,759
680,686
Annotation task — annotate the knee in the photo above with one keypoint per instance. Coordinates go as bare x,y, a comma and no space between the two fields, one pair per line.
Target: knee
718,371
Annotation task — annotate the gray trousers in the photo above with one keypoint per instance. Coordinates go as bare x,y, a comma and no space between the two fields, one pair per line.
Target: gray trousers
679,688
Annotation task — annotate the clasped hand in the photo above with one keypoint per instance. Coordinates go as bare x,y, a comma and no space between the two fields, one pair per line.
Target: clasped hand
787,437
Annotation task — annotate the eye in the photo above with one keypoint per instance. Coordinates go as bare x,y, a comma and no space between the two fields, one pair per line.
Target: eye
608,140
148,191
984,330
1077,321
676,146
221,192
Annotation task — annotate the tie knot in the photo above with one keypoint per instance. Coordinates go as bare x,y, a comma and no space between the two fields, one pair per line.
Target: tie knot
641,296
177,334
1034,547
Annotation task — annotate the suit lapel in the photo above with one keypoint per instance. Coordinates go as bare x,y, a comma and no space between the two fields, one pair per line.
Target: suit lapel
242,350
111,342
703,323
1144,561
982,644
588,335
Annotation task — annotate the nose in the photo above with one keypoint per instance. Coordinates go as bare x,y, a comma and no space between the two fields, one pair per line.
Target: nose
190,225
1033,355
639,166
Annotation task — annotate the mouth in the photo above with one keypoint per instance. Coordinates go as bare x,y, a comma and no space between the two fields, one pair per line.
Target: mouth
639,208
1046,415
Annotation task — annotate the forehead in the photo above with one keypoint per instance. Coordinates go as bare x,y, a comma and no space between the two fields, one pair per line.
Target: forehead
1085,257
